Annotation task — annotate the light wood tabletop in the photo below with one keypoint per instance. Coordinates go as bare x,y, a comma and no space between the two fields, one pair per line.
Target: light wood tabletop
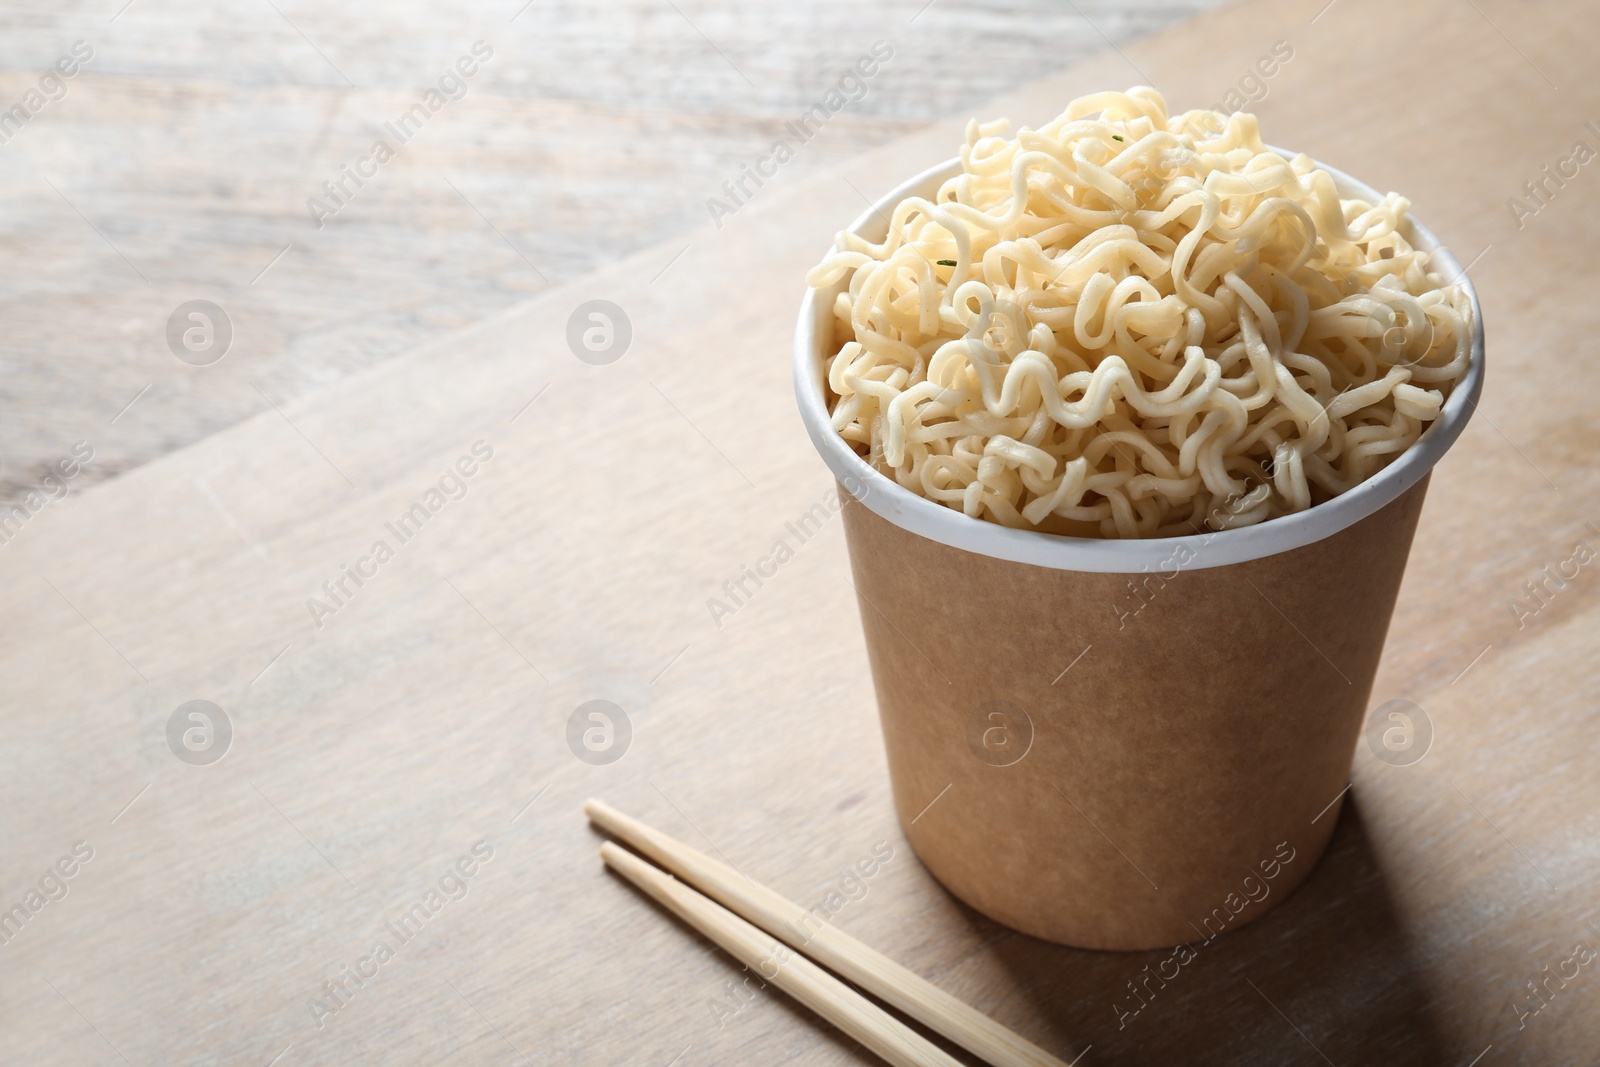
177,164
388,862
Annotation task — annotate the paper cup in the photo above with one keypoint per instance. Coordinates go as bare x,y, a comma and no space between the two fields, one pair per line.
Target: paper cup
1122,744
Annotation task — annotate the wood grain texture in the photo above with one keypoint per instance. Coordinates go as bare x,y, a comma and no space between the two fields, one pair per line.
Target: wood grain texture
195,136
431,712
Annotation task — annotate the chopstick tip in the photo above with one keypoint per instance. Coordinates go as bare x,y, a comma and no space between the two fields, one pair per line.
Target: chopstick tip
604,815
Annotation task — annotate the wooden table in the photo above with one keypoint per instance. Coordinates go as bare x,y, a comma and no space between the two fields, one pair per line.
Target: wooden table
178,163
430,711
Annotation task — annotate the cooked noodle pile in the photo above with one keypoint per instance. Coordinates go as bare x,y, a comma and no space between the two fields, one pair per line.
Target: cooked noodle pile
1127,324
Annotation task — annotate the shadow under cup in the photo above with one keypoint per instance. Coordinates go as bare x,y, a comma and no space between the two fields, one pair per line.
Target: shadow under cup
1121,744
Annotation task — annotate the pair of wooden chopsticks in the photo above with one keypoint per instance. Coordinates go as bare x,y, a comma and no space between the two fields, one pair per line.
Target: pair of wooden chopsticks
761,929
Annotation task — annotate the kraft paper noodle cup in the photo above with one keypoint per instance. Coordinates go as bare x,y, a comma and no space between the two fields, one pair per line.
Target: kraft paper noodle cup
1122,744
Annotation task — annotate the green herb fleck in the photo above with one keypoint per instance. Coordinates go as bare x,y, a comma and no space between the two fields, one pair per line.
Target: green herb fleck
947,263
1114,137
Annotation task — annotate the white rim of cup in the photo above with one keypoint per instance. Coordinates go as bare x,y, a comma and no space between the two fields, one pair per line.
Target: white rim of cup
927,518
